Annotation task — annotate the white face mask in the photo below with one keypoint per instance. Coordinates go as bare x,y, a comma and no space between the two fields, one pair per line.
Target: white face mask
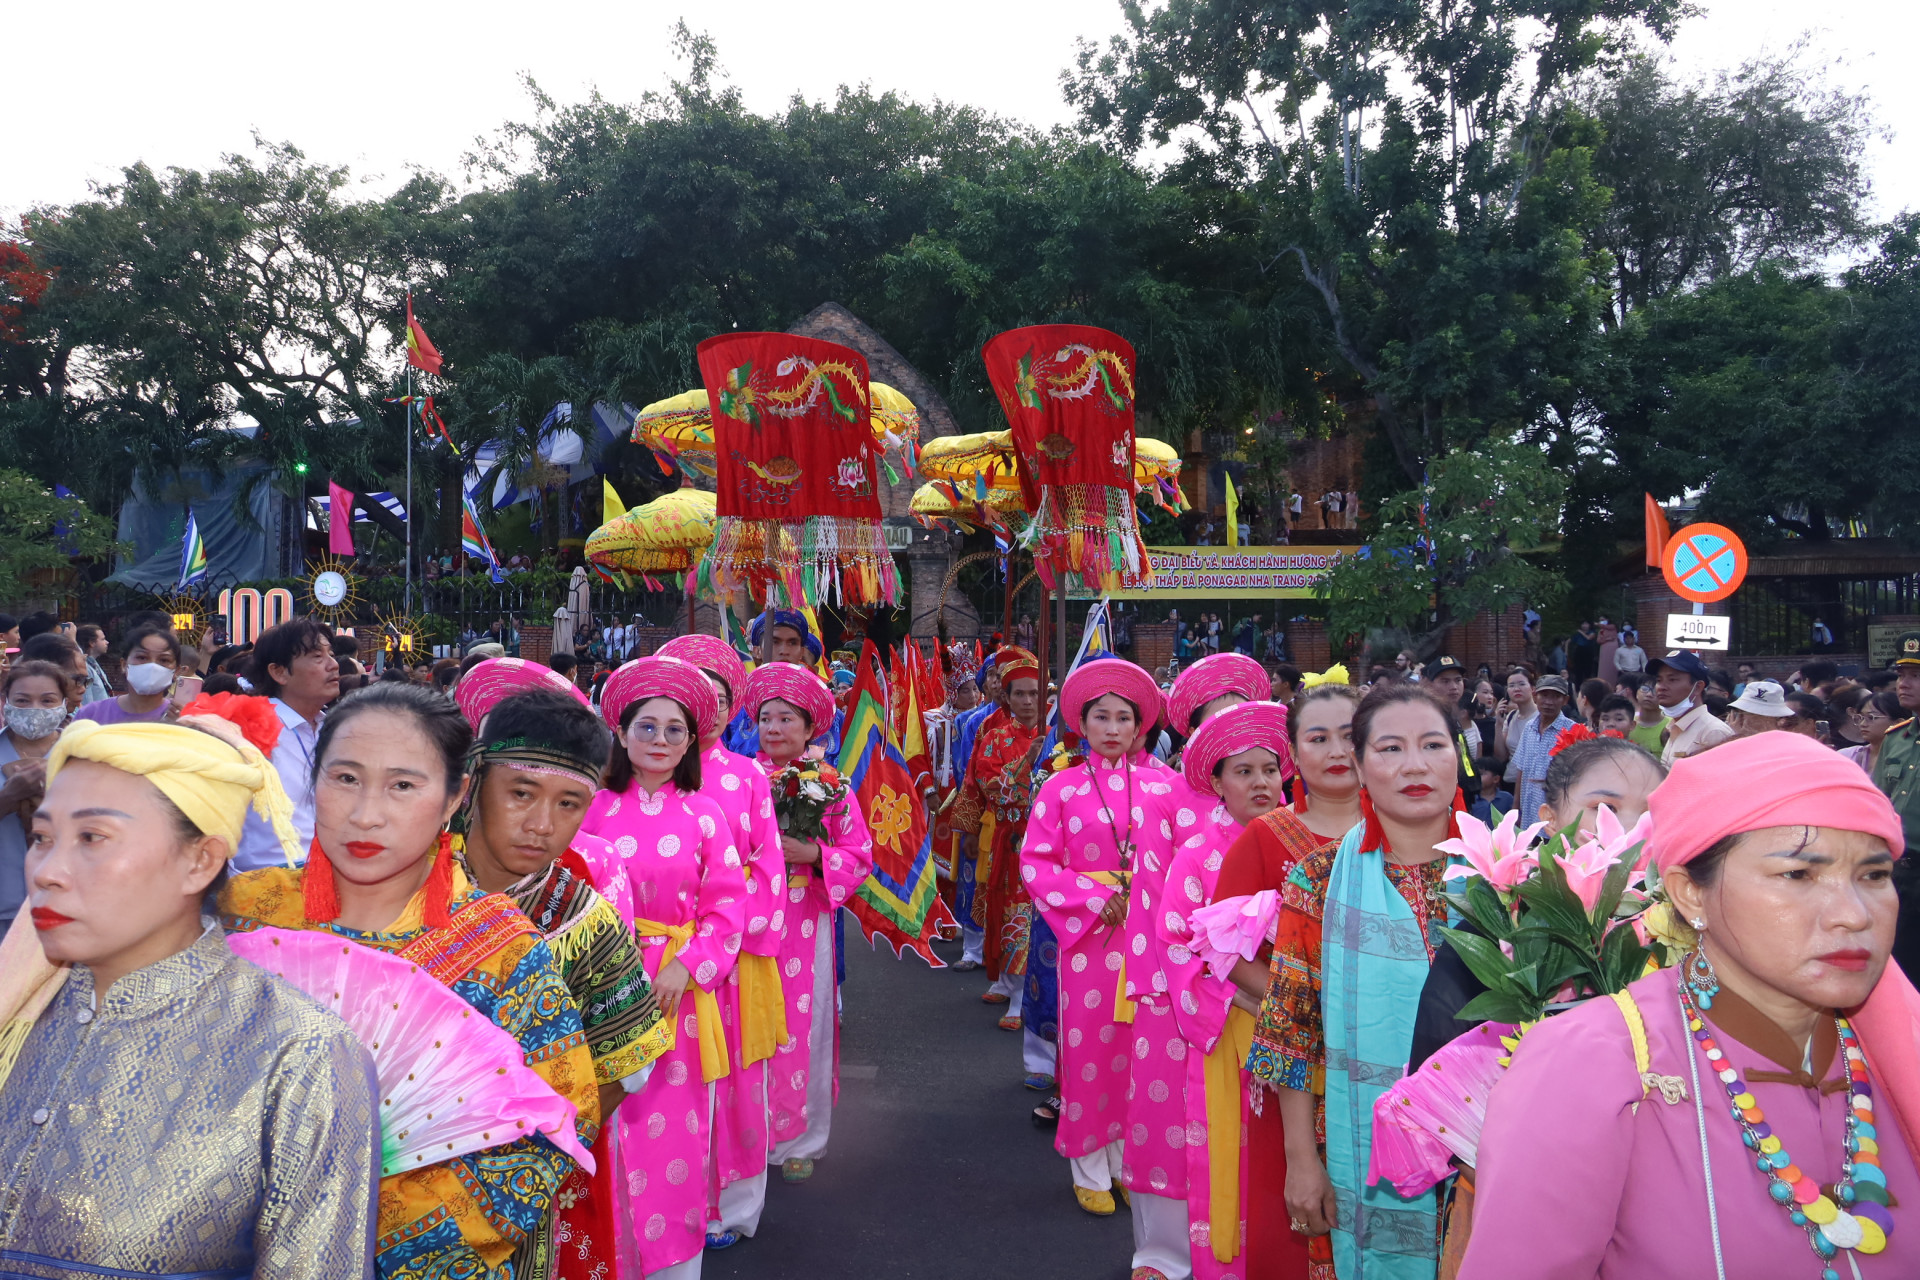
149,678
1675,712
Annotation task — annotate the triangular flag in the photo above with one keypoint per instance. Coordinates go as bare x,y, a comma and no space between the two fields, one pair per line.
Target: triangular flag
1233,512
611,508
339,520
1658,532
421,353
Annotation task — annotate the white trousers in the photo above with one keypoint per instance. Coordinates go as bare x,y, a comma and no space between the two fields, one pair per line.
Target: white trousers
1042,1056
688,1270
1099,1169
740,1205
1160,1235
812,1144
973,944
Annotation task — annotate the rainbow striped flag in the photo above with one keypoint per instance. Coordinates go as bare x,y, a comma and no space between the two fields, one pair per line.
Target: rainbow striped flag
473,539
193,553
899,902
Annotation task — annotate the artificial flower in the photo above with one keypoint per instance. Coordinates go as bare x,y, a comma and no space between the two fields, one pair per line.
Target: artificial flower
253,716
1502,856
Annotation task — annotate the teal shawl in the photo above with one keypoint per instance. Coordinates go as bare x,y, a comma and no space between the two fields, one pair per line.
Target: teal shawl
1373,966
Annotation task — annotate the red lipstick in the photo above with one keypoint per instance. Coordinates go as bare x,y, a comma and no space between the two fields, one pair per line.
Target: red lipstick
365,849
47,918
1417,790
1854,961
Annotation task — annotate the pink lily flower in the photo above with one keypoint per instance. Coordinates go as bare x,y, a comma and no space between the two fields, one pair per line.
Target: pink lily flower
1502,856
1588,865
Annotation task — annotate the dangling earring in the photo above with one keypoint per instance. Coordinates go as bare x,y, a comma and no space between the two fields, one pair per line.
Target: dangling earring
1701,980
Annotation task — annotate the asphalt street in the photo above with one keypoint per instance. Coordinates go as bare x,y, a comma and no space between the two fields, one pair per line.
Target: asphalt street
934,1170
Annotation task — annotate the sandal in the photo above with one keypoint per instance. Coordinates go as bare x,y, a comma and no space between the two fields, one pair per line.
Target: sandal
796,1170
1011,1022
996,997
1039,1082
1047,1114
725,1240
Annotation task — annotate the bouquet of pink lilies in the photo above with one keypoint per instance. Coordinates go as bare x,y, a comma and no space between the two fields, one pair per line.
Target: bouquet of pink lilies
1553,924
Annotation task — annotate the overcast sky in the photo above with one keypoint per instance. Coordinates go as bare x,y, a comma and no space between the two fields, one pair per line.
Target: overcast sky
385,86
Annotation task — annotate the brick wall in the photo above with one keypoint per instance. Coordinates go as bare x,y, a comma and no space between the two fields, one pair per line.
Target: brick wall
1308,645
536,641
1153,644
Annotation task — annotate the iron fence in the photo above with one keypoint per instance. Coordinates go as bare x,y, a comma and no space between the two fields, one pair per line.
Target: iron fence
1777,615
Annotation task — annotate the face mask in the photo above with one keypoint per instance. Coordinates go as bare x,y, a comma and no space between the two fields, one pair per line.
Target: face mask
1674,713
149,678
35,723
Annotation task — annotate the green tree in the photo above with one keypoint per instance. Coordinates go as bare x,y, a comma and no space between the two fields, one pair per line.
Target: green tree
41,531
1444,552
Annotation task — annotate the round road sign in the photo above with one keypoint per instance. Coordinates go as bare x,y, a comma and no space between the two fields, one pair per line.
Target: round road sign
1704,563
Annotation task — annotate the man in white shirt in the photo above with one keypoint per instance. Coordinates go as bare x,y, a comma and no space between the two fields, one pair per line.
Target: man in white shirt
294,666
1629,660
1680,684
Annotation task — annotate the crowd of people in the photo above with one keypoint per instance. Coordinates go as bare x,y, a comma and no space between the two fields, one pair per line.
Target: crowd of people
632,878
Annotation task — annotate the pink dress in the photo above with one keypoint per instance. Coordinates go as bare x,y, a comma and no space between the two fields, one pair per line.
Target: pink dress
673,862
1581,1177
1200,1003
814,893
1080,818
734,782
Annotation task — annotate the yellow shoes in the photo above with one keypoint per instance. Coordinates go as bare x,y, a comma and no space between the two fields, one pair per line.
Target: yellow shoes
1098,1203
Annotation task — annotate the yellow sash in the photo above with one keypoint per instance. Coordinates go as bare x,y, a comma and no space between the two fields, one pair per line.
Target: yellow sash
1122,1007
713,1038
763,1008
1223,1131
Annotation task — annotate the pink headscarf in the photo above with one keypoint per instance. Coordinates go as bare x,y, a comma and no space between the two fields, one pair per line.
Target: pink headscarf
1788,780
1238,728
1768,780
659,677
794,685
487,684
1092,680
709,653
1215,676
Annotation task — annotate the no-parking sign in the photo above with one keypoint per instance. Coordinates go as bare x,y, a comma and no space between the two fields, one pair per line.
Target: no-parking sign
1704,563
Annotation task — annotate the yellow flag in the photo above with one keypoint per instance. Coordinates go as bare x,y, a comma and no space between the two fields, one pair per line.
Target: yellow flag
611,506
1233,512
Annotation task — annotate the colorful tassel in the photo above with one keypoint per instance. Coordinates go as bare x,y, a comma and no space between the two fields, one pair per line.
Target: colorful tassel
321,897
440,885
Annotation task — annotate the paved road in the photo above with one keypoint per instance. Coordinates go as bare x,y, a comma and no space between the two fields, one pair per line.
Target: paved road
934,1171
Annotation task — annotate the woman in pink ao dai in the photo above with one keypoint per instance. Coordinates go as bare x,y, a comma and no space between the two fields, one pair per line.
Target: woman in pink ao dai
674,872
791,706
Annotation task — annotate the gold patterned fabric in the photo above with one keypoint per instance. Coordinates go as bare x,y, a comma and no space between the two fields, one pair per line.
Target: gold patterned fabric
203,1119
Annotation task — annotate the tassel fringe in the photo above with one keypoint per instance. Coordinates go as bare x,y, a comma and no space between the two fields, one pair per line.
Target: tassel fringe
1091,530
816,559
319,894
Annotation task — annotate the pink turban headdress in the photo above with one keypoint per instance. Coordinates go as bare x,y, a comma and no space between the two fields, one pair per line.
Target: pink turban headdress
1238,728
658,677
489,683
794,685
1215,676
709,653
1091,681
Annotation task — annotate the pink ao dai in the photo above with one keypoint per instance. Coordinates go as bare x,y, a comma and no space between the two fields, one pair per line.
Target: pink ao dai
672,860
1080,818
1200,1002
741,1142
814,892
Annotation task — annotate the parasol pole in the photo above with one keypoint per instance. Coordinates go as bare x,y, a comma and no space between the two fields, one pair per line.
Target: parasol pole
1060,625
409,547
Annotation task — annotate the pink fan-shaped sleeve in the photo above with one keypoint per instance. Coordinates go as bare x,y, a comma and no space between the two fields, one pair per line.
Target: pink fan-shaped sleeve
1069,901
720,907
846,855
1200,1000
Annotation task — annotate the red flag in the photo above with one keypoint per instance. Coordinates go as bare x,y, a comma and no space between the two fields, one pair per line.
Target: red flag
421,353
1657,532
339,520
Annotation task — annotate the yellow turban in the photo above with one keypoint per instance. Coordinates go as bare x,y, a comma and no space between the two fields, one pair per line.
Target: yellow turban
210,774
1335,674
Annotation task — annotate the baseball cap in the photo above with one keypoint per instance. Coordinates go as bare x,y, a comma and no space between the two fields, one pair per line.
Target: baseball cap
1691,665
1763,698
1557,684
1907,649
1449,663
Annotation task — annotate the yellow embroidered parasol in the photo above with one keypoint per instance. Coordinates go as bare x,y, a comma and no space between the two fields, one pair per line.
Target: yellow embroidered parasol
985,466
666,535
681,428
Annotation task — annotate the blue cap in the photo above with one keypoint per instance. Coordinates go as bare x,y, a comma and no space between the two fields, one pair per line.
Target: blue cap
1681,660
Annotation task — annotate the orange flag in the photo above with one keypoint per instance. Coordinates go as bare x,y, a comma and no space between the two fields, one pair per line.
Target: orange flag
1657,532
421,353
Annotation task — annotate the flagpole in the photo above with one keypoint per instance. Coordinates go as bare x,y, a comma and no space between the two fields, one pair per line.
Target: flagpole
409,547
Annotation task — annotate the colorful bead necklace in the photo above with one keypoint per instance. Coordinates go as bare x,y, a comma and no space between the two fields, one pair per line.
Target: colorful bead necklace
1860,1220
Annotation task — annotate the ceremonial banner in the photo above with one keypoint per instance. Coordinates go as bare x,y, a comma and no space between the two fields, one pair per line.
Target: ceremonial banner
899,902
1067,391
795,453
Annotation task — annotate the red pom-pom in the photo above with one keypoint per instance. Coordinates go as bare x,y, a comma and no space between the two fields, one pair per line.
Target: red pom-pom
255,717
1569,736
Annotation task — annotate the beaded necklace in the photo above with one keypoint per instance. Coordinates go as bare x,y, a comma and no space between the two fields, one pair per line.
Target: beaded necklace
1123,846
1860,1220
